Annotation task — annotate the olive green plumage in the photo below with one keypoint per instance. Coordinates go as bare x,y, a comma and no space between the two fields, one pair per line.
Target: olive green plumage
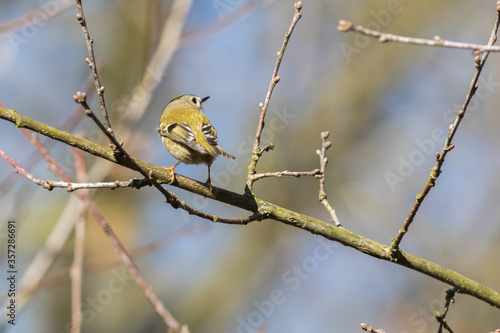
188,134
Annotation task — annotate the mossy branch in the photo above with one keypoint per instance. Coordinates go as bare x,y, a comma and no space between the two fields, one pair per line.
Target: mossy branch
254,204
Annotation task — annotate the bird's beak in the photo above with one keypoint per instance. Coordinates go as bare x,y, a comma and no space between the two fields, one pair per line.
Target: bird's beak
204,99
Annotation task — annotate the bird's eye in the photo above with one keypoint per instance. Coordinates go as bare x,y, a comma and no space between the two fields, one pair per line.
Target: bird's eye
194,100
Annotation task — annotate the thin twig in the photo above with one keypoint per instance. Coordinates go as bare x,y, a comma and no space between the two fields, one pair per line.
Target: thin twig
370,329
315,173
92,65
51,184
76,268
450,298
257,151
323,161
436,169
228,220
345,26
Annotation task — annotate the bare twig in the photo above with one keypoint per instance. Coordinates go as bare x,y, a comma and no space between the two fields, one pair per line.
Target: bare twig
370,329
228,220
345,26
256,150
51,184
436,169
323,161
450,298
315,173
93,68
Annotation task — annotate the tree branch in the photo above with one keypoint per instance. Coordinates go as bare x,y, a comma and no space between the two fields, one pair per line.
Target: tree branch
269,210
345,26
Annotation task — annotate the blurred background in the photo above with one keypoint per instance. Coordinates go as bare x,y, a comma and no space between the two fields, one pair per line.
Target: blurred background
387,108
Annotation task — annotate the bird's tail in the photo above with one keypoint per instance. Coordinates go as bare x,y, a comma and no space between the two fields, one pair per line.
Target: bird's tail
225,153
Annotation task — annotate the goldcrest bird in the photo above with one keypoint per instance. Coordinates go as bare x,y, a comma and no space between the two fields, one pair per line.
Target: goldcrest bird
187,133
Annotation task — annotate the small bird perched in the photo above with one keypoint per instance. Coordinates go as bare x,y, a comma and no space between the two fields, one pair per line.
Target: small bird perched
187,133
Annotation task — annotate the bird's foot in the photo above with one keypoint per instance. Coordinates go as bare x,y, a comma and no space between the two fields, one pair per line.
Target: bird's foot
171,171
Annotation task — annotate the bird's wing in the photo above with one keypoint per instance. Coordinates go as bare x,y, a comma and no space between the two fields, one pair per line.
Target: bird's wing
208,139
180,133
210,134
